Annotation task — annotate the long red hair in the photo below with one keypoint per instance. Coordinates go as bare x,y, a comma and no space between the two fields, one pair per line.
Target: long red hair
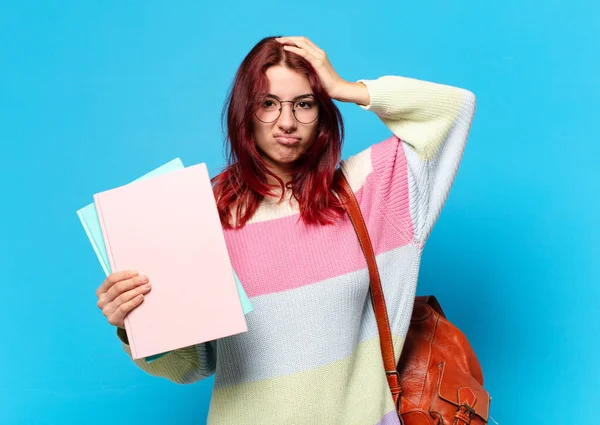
241,186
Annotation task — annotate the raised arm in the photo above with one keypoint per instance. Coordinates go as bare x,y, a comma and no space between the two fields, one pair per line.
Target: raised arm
431,123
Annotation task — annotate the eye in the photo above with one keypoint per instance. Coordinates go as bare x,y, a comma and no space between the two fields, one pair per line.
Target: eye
269,105
304,104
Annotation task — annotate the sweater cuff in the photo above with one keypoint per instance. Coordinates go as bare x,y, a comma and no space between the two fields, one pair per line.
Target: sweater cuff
122,335
385,93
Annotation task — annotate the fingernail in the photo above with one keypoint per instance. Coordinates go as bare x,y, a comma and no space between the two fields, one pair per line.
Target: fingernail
148,286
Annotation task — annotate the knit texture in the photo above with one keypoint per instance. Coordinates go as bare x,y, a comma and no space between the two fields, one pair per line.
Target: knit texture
311,354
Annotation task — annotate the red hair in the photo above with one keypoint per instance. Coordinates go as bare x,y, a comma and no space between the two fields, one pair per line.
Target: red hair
241,186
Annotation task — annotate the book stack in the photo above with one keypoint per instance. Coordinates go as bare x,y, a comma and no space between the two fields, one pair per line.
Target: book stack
165,225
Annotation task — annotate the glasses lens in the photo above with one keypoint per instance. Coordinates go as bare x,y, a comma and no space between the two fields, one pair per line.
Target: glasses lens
306,111
268,111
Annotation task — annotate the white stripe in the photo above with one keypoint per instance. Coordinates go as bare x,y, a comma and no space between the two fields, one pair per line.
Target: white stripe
307,327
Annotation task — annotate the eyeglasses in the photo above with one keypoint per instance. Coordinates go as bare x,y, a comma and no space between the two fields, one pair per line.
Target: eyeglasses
305,110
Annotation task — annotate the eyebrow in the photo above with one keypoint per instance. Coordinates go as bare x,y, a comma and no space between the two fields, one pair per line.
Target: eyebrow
296,98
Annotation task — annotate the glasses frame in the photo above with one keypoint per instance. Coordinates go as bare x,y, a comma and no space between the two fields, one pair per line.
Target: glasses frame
293,102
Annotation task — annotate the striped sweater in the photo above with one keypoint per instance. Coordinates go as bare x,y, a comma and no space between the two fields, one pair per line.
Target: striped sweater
311,354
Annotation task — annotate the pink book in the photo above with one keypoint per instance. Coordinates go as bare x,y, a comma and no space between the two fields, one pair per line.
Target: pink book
168,228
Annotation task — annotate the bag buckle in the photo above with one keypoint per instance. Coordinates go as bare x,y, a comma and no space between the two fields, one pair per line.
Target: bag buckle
469,410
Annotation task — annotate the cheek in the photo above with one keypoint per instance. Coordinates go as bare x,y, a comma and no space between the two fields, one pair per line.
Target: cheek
259,134
312,133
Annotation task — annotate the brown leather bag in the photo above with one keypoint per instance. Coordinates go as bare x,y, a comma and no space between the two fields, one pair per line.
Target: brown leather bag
438,379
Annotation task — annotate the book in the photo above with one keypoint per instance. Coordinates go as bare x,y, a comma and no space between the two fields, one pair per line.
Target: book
168,228
89,220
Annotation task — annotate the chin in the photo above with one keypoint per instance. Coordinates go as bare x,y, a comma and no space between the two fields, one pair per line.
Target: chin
282,159
288,159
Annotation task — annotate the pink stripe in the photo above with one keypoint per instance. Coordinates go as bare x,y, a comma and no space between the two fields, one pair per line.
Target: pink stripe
284,254
389,163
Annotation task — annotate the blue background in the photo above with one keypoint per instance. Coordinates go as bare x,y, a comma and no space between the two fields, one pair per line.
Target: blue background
94,94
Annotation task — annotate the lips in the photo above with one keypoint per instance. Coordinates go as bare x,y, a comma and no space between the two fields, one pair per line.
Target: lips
287,140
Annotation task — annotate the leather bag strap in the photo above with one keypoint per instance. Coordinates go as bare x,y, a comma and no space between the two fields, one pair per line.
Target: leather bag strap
383,325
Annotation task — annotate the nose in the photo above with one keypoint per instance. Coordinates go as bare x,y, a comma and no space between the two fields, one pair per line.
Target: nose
287,121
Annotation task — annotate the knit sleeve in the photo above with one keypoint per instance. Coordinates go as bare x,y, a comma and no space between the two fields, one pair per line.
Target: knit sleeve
183,366
417,166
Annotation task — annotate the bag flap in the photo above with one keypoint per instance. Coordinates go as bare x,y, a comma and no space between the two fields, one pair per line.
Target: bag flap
460,388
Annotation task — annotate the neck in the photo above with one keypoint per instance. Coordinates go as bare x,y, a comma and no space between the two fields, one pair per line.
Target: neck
285,176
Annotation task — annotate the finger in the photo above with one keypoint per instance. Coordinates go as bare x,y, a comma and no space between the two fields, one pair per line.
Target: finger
124,298
301,40
298,51
124,286
304,43
311,44
114,278
118,317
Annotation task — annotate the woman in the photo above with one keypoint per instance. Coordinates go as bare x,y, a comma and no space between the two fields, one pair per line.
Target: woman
311,354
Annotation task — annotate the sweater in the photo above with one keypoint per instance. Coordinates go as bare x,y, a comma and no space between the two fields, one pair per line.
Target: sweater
311,354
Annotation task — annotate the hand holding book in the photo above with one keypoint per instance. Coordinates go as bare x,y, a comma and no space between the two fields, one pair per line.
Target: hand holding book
120,293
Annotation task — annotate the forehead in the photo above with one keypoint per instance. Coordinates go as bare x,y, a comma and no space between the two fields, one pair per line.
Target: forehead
285,83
